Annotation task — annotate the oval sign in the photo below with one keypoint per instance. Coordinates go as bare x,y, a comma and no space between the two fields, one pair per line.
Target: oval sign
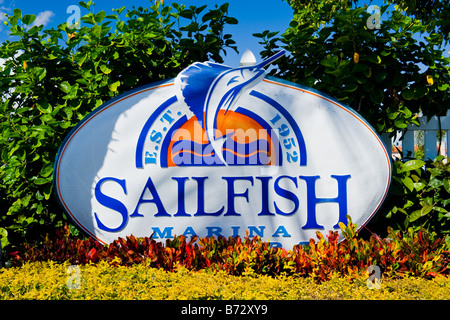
219,151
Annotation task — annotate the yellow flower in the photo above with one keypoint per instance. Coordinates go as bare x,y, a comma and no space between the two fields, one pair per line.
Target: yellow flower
25,65
430,80
356,57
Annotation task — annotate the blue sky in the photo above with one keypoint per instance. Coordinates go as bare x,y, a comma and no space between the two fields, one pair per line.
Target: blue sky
253,15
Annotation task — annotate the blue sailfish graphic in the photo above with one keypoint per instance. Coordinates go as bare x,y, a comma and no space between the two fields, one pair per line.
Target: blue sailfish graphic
209,87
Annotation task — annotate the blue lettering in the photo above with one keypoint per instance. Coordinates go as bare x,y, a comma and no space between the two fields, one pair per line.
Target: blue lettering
149,194
166,233
181,207
281,229
150,158
156,200
166,116
265,196
342,198
214,231
156,136
111,203
313,200
189,232
232,194
287,195
252,230
201,199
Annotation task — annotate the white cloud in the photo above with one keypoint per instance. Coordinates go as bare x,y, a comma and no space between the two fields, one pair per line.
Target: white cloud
43,18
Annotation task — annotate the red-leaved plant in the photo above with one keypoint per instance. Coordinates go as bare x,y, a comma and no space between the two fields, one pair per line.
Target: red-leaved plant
421,254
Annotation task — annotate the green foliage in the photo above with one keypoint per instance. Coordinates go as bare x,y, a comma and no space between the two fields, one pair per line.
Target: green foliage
387,74
51,79
426,10
411,253
420,196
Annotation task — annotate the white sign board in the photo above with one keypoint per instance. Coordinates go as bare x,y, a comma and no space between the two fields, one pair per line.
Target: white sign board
218,151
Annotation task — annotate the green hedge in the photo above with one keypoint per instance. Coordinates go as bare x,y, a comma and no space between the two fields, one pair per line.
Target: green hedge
51,79
419,197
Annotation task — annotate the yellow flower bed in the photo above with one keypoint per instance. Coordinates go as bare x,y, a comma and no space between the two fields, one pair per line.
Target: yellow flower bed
49,280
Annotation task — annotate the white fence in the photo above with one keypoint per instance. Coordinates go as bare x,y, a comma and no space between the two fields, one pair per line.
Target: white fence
426,134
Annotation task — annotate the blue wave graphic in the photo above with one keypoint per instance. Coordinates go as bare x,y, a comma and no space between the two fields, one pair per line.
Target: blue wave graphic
190,153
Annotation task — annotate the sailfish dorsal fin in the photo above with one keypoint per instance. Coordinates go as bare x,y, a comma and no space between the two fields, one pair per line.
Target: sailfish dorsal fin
195,83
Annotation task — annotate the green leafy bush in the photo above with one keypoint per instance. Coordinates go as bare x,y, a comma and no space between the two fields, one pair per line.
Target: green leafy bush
51,79
419,198
387,74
